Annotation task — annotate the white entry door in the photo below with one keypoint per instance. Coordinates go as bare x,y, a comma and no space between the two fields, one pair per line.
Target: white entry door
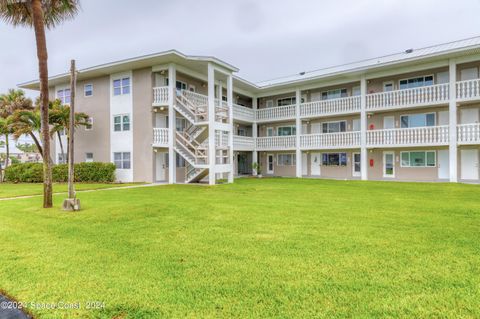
443,164
160,166
443,118
388,122
316,128
469,164
469,116
160,120
270,163
304,164
389,164
356,164
315,160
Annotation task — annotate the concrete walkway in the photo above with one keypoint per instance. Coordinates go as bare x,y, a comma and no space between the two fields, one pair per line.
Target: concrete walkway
7,312
84,191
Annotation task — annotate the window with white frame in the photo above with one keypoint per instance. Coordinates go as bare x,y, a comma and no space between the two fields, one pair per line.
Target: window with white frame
286,130
334,94
89,124
121,86
64,96
88,89
88,157
241,131
356,91
334,127
122,160
334,159
286,101
418,159
180,85
180,161
417,120
416,82
121,123
286,159
269,131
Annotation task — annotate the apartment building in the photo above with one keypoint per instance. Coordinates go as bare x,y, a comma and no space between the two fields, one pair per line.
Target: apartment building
170,117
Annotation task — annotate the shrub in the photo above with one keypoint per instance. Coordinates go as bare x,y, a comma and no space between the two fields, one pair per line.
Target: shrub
95,172
24,173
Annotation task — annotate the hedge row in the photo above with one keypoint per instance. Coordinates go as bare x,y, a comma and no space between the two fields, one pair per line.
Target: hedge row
94,172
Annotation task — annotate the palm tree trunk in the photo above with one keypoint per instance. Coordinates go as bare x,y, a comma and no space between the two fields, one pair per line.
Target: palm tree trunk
61,144
7,147
37,143
71,131
2,176
42,55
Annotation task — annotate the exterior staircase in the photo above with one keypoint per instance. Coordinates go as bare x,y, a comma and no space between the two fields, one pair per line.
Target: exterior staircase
192,143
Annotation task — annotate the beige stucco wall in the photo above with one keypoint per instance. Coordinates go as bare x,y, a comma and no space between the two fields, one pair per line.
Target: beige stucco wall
348,86
336,172
143,155
402,173
200,86
97,106
348,118
376,85
377,119
262,128
278,170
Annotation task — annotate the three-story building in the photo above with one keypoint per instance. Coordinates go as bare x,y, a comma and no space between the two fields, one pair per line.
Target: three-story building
171,117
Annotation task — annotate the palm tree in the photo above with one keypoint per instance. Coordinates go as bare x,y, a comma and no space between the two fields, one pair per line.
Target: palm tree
40,14
9,103
59,120
4,130
23,122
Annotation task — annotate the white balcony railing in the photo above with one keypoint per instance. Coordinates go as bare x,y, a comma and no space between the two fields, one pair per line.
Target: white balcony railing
276,113
429,135
468,90
330,107
160,95
276,142
330,140
243,143
160,137
197,99
426,95
468,133
243,113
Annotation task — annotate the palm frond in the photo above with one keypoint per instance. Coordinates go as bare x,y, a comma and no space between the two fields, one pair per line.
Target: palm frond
19,12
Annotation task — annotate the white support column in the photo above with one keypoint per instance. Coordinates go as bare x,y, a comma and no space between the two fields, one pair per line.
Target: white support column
254,134
211,124
363,128
230,121
298,124
172,163
452,109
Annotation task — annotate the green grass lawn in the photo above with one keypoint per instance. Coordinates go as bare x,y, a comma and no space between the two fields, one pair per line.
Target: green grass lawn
26,189
264,248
